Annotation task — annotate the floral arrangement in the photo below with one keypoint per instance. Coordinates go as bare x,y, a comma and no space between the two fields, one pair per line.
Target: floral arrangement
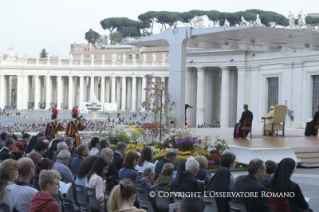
159,156
135,131
181,139
115,134
138,147
220,145
186,144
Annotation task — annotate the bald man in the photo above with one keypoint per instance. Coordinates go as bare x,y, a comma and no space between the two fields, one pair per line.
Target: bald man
22,192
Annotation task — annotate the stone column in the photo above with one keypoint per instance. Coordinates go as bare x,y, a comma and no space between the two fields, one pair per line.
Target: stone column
288,93
85,89
59,92
71,96
10,91
224,110
102,98
123,93
200,110
96,87
20,96
91,87
113,89
36,92
254,102
139,93
241,92
2,91
188,89
48,94
129,93
118,92
297,90
81,91
143,93
107,90
133,94
25,91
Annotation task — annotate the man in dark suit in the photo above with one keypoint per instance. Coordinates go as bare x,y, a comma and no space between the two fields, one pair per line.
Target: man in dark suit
250,183
170,157
9,145
186,181
246,114
83,152
270,171
118,156
103,144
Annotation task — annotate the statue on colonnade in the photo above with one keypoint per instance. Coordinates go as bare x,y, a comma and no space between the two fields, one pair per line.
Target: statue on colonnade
301,19
226,23
124,58
243,22
291,20
258,21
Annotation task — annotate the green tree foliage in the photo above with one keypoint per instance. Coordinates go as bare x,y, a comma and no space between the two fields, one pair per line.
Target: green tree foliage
91,36
43,53
148,18
115,37
121,23
131,32
312,20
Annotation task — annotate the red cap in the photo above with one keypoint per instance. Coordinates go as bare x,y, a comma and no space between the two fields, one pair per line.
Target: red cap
75,111
55,111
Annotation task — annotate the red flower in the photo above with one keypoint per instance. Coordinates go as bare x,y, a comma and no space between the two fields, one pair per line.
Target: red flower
215,156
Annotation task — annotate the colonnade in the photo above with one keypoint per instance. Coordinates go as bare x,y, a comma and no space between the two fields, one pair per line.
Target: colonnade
212,92
66,92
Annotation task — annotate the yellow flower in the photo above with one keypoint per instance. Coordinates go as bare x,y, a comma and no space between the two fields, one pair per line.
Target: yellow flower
202,152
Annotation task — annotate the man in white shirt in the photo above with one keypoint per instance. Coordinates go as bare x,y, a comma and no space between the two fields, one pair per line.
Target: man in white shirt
95,144
22,192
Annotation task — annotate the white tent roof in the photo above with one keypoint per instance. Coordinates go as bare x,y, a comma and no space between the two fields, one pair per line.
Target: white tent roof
242,38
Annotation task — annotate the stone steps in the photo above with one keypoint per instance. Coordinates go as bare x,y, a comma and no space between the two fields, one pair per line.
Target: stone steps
308,158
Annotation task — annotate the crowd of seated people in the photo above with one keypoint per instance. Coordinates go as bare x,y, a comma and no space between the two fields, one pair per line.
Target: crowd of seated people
27,182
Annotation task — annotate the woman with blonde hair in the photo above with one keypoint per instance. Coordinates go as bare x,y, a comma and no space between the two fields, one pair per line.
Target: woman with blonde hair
122,197
107,153
166,177
8,174
202,174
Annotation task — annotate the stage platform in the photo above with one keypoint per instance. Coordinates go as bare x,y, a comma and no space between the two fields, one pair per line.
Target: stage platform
303,149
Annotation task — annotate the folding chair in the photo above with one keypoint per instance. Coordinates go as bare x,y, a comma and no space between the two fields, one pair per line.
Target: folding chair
146,205
211,204
84,207
161,203
80,194
237,207
4,208
177,199
141,192
67,205
93,202
173,207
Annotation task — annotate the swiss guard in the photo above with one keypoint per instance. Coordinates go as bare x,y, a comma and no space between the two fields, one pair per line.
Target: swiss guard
73,127
54,126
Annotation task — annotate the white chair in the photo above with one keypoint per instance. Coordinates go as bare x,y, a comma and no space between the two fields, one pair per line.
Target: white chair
278,122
